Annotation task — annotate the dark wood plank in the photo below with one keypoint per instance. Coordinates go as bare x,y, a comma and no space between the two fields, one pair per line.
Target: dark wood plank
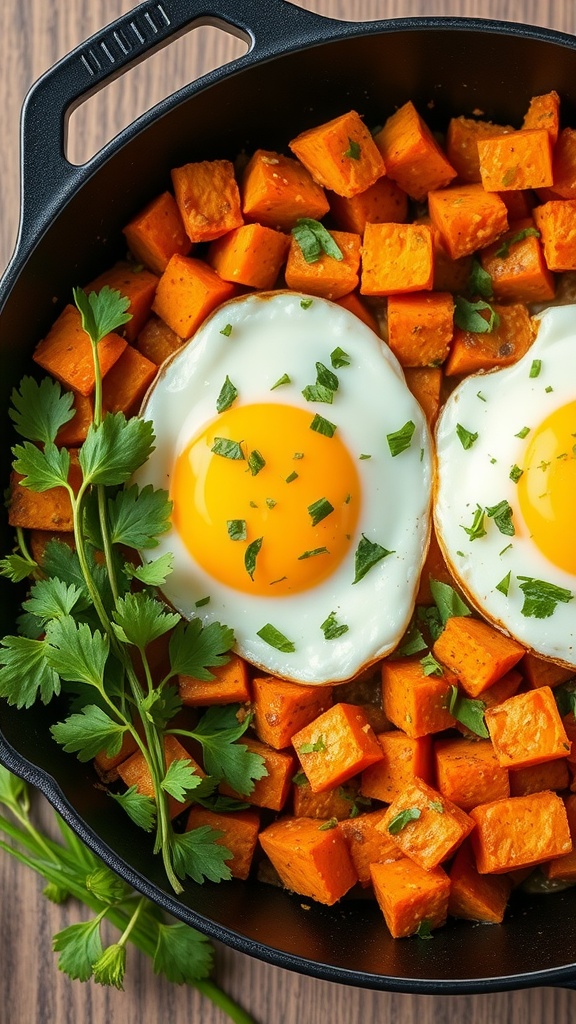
32,991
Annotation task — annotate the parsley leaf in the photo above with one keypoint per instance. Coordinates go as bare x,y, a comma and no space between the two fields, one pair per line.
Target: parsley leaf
180,779
400,820
136,517
368,554
535,368
319,510
476,531
197,854
140,809
252,552
182,954
413,641
541,598
41,470
140,619
430,666
480,282
424,930
332,629
314,240
195,649
224,758
312,553
80,947
502,516
515,473
16,567
466,437
115,449
236,529
469,712
504,585
323,426
75,652
468,316
227,449
317,746
154,573
400,440
325,377
88,733
256,462
26,672
447,601
39,410
503,251
228,395
102,312
339,358
353,150
274,638
284,379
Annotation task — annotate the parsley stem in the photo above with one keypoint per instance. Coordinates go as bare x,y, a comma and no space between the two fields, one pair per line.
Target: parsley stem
131,923
101,496
21,537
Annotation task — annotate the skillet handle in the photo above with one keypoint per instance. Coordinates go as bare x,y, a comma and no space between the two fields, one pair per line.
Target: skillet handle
47,177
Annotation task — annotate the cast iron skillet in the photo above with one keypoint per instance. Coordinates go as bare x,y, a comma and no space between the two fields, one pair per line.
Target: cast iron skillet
300,70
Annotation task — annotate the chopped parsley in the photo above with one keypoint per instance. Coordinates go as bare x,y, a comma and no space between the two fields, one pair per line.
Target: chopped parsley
504,585
317,747
353,150
436,805
318,510
326,826
535,368
227,330
541,598
291,477
469,712
203,601
412,642
480,282
400,440
430,666
250,556
515,473
314,240
323,390
502,516
447,601
274,638
368,554
322,426
468,316
339,358
312,553
424,930
284,379
363,457
256,462
523,433
476,531
548,389
332,629
399,821
270,503
227,449
236,529
306,303
503,251
466,437
228,394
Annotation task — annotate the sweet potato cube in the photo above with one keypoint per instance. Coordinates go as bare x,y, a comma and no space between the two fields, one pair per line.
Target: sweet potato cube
277,191
527,729
137,284
208,199
413,701
516,160
251,255
381,203
187,292
412,156
134,772
273,789
408,896
156,233
157,341
420,327
230,685
396,258
504,345
127,382
239,834
328,277
282,708
462,139
73,433
405,759
335,746
341,154
517,267
565,867
338,803
425,384
564,165
469,773
467,218
500,691
44,510
556,222
537,777
449,275
541,672
544,112
425,825
310,860
476,897
354,304
107,767
66,352
519,204
366,845
519,832
476,652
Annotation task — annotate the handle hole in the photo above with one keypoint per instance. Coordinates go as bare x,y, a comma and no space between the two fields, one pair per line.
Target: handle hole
102,116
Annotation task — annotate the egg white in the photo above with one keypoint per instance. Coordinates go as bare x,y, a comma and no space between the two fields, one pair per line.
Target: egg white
496,406
271,335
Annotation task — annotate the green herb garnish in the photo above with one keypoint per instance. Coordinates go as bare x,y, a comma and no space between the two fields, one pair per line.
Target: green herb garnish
400,440
250,556
503,251
430,666
399,821
227,396
306,303
469,712
328,825
317,747
284,379
466,437
480,282
468,316
256,462
515,473
476,531
332,629
523,433
353,150
368,554
535,368
504,585
227,449
541,598
312,553
322,426
291,477
502,516
274,638
318,510
227,330
339,358
314,240
236,529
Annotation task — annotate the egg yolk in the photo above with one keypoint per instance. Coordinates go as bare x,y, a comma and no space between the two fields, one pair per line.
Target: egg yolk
547,487
265,503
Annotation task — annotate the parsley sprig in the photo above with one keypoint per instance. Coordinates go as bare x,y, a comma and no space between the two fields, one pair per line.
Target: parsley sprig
86,630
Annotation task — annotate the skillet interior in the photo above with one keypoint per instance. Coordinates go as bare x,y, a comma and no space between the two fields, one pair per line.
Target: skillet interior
445,68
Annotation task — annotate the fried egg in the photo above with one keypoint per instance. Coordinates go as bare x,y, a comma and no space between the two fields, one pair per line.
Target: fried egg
299,467
505,509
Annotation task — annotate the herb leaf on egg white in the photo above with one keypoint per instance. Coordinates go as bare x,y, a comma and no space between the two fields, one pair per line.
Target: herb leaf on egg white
274,638
284,379
502,516
333,629
86,621
466,437
476,531
400,440
368,554
228,395
312,553
541,598
339,358
504,585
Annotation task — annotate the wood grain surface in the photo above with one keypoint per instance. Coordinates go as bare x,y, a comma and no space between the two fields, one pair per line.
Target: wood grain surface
35,33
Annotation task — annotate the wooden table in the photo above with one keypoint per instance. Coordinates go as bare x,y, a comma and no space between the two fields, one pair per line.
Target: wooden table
32,991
